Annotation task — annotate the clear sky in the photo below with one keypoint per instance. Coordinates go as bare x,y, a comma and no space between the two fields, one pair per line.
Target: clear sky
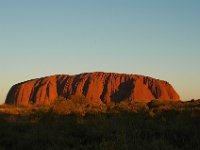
159,38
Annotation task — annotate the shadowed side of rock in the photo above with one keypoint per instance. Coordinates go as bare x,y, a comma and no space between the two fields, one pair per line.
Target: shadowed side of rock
97,87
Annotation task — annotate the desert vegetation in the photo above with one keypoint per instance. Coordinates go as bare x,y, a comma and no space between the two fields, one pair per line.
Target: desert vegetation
77,123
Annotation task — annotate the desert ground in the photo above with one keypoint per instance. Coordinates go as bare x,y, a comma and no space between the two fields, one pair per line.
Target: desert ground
76,123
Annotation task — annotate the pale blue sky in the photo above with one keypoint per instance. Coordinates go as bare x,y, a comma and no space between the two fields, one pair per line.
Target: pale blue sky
151,37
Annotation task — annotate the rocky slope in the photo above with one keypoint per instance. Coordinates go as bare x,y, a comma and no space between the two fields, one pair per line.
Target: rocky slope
97,87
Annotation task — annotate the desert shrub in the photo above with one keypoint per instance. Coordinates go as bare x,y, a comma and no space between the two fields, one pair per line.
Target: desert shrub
123,106
63,106
139,107
111,107
96,108
156,103
151,113
75,104
159,106
39,113
128,106
80,104
79,100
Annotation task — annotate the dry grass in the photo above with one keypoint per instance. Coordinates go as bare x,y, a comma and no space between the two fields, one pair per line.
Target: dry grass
76,123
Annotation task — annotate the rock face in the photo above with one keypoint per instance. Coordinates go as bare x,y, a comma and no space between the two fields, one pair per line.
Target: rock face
97,87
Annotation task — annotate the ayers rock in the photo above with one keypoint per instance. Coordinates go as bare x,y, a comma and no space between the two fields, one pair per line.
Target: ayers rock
97,87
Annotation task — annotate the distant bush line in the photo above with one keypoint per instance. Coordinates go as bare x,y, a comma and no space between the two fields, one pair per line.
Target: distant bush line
80,105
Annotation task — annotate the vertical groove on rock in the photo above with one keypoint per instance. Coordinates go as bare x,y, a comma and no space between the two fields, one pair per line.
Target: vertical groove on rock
86,87
123,92
36,86
105,88
75,84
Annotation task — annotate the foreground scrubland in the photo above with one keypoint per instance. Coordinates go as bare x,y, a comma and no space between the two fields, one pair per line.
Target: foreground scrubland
77,123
